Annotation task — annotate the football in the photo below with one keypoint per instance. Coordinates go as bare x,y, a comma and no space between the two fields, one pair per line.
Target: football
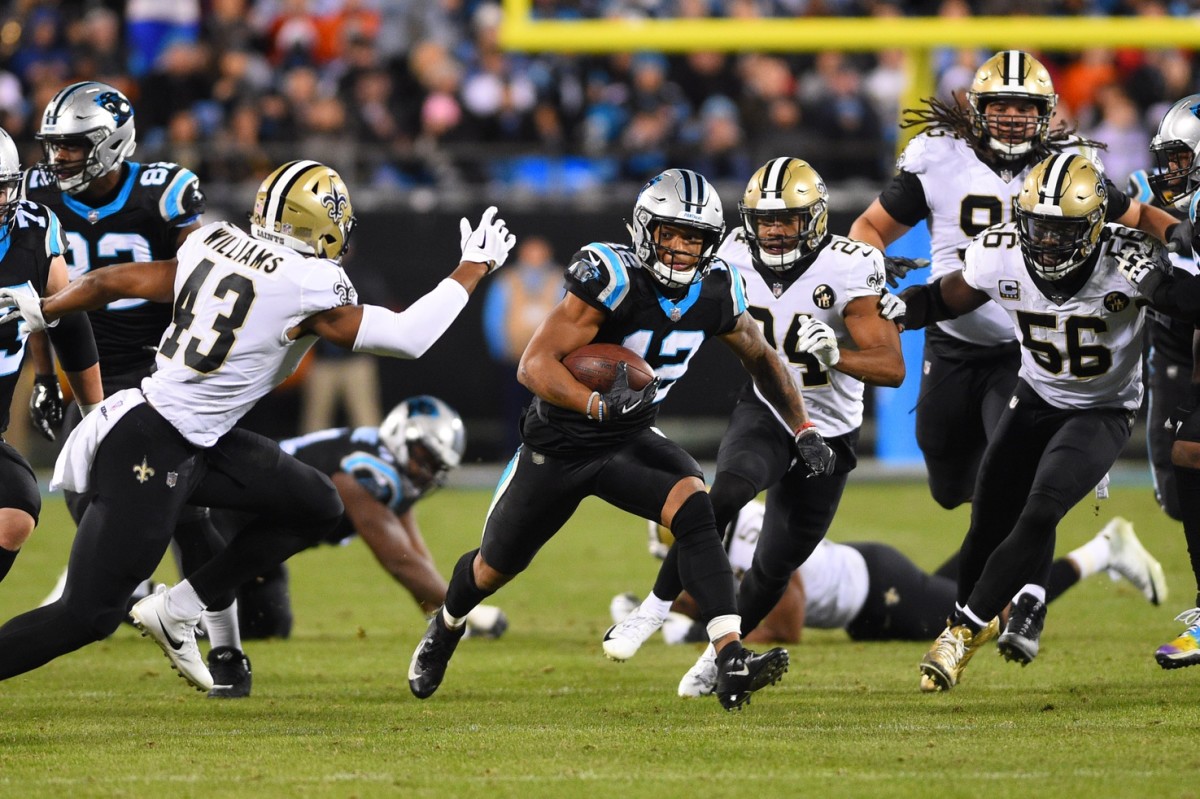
595,365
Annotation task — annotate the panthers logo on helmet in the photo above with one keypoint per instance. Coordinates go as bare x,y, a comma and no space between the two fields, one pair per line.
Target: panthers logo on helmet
116,105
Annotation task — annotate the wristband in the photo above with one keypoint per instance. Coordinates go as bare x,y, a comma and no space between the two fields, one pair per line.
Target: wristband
806,426
595,395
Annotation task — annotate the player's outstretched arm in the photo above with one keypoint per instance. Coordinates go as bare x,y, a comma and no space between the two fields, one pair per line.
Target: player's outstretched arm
394,541
947,297
411,332
147,280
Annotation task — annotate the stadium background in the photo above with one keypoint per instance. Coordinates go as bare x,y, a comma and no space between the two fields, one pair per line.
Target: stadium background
430,117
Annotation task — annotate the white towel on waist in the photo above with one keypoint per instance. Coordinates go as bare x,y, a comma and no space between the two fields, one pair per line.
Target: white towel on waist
73,468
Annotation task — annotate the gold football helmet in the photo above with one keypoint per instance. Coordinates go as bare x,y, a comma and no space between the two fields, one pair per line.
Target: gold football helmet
1060,214
304,205
785,212
1011,74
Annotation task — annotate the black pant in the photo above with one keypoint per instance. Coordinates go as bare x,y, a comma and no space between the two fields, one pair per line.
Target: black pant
1040,463
143,475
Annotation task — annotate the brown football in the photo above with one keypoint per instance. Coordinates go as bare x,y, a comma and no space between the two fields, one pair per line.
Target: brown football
595,365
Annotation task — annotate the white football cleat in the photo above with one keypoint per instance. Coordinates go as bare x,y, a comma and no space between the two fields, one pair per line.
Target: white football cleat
701,678
623,639
1129,559
176,638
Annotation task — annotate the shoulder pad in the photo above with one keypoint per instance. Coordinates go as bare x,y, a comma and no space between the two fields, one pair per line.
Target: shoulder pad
601,272
180,200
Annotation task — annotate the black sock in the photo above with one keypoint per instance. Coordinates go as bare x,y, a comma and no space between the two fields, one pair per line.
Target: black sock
1187,486
463,594
7,556
958,618
1062,577
703,564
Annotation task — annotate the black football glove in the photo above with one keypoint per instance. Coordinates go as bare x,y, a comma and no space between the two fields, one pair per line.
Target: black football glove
897,267
46,406
815,456
621,400
1179,239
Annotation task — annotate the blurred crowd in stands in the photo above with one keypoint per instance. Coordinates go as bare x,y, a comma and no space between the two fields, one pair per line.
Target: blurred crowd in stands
408,94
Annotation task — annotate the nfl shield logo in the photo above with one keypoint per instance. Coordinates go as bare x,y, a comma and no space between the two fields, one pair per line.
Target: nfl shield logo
93,216
172,479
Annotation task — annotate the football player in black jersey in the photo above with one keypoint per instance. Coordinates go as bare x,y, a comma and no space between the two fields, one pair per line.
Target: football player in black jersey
31,258
380,473
116,210
662,297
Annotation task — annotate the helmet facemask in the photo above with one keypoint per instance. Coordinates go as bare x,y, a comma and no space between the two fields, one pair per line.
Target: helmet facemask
427,438
11,176
1176,147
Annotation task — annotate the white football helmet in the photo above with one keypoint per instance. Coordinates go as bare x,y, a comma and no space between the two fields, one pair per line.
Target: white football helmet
10,178
93,113
304,205
1176,147
427,437
1060,214
679,197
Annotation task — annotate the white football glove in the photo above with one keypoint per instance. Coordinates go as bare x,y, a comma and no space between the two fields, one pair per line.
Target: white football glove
488,243
23,303
818,339
1136,266
891,307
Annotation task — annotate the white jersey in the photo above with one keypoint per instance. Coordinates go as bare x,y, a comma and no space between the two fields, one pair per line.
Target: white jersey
965,197
843,270
1083,351
835,575
227,346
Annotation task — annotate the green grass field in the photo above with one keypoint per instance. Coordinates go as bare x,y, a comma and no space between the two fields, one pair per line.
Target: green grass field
541,713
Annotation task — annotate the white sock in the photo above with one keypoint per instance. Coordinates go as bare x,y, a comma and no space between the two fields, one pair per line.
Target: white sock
970,614
453,622
222,627
183,602
659,607
1038,592
721,626
1092,557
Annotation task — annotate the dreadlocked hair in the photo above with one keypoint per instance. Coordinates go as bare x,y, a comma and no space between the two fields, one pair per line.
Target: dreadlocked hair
956,120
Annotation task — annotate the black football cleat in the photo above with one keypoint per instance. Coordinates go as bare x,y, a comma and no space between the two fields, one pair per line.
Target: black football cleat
1022,634
427,668
230,669
744,672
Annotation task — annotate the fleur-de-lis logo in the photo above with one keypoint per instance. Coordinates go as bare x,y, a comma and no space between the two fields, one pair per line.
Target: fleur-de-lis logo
346,294
335,203
143,471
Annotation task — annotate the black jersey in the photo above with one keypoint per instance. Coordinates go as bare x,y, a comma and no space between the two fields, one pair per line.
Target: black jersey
361,454
31,241
666,331
141,223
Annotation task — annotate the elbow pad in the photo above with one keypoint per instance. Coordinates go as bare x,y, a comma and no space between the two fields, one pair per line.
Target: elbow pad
74,343
410,333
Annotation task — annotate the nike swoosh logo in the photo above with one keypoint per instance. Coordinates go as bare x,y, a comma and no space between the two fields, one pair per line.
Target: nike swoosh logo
744,671
176,645
631,406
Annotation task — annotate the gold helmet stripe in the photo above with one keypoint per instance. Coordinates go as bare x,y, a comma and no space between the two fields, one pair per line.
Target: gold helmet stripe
279,188
1052,188
1014,68
773,175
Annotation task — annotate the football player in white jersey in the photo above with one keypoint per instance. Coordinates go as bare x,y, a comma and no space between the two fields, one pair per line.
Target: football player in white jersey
961,174
872,590
1054,272
247,307
817,298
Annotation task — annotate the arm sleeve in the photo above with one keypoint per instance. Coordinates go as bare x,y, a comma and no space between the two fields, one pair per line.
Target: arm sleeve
410,333
904,199
1176,296
74,343
1118,202
925,305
